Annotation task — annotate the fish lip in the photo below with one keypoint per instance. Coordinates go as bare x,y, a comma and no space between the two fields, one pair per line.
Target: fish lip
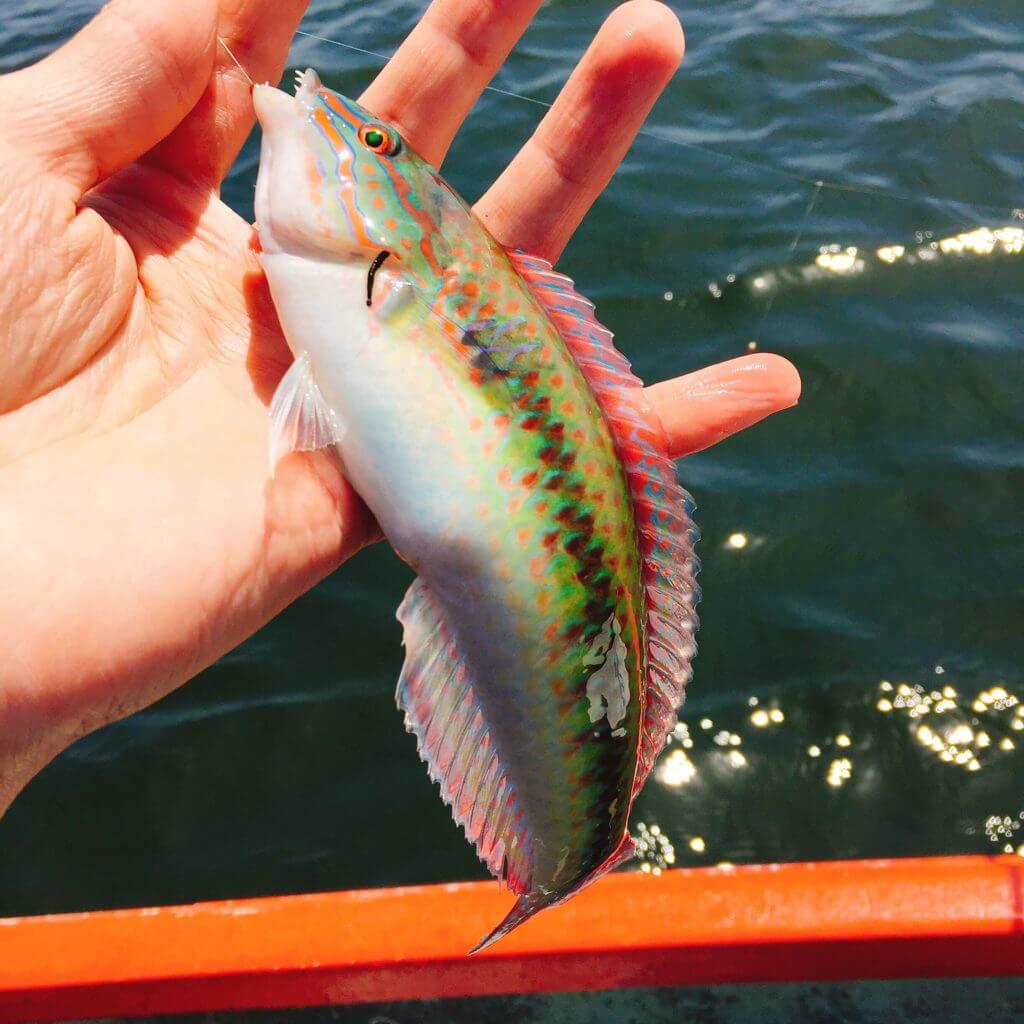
272,106
277,113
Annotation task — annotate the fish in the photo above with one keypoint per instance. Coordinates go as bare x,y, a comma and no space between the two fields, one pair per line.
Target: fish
501,441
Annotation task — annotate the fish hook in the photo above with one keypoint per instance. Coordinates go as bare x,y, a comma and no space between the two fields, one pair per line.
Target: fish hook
378,261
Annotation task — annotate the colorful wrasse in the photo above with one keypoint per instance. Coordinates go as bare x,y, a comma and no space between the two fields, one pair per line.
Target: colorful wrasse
500,440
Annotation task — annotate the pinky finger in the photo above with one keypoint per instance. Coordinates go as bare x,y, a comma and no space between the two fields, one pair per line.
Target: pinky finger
707,406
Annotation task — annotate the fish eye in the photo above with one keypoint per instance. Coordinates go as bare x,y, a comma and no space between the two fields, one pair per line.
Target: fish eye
379,139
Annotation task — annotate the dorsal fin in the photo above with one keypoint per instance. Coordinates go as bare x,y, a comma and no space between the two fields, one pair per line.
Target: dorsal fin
661,507
436,693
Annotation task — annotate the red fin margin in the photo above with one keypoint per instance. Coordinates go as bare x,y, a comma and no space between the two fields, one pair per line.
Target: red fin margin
661,507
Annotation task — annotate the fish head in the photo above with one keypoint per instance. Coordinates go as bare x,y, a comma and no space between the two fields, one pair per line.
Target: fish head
336,183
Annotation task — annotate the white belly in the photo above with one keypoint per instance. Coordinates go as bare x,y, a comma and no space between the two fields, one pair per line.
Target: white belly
406,447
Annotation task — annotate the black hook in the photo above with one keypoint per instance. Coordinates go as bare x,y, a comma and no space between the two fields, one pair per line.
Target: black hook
378,261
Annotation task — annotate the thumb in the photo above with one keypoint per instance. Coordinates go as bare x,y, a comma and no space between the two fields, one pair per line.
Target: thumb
112,92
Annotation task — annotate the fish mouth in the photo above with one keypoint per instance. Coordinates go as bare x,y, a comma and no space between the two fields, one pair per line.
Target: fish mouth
275,111
275,107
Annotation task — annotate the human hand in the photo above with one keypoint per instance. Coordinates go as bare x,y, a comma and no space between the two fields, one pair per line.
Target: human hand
141,533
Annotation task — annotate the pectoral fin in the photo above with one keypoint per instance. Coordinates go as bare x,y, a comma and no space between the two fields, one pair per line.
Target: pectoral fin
300,419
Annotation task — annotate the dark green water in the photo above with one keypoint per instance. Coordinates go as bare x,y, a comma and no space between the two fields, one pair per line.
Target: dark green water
882,518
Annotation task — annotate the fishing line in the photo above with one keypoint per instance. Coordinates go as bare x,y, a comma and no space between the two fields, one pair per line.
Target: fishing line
238,63
818,186
760,165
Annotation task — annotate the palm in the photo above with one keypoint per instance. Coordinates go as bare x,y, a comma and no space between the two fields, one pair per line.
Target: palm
139,522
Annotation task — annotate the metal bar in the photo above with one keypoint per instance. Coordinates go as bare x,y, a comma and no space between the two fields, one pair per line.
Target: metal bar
930,917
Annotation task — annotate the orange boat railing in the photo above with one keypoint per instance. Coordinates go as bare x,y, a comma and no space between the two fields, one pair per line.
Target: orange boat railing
931,917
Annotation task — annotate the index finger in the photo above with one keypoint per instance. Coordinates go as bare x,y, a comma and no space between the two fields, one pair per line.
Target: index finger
539,200
439,72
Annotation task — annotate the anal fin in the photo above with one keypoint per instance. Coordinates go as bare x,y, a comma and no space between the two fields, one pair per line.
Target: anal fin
436,692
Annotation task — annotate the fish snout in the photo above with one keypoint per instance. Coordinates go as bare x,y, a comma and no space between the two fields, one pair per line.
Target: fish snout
274,108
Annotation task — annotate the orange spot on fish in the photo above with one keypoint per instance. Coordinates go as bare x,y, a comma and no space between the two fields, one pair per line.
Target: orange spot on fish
577,435
557,380
543,600
546,354
567,408
475,423
590,467
378,202
407,243
551,632
494,285
531,330
542,507
471,288
501,421
537,567
391,223
529,479
505,478
523,536
511,307
564,710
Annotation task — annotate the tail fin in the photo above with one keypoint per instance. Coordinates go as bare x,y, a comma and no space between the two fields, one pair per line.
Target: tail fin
525,907
532,903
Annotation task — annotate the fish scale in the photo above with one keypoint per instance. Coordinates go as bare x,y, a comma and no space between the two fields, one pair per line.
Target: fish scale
564,529
486,419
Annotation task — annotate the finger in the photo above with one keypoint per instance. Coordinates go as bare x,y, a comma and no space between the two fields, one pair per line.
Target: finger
705,407
541,197
438,73
115,89
258,33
